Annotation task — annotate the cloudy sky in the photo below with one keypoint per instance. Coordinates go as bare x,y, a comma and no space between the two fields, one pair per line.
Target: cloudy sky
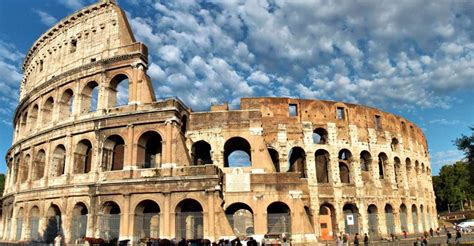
411,58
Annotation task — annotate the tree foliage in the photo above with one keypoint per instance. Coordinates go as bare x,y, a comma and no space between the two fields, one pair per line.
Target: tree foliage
455,183
2,183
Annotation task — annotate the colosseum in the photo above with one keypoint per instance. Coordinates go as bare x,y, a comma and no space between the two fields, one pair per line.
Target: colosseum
96,155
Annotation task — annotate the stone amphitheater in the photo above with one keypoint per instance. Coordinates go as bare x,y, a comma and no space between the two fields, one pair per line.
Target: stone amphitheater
96,155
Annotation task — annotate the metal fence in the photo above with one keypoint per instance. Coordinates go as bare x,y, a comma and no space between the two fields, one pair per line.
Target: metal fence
147,225
389,223
242,224
78,227
189,225
278,223
373,225
19,227
34,228
403,221
109,225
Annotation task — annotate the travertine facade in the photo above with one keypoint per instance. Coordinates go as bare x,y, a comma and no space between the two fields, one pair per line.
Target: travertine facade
95,154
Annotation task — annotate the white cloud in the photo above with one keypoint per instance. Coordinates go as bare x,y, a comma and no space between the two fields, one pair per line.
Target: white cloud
46,18
259,77
73,4
442,158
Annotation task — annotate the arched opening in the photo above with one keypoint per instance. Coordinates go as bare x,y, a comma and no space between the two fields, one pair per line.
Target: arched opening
118,91
90,97
278,218
184,125
59,161
414,214
16,169
109,222
372,212
33,116
327,221
189,220
320,136
38,165
422,215
389,221
394,144
345,159
398,173
34,224
403,218
382,160
47,111
201,153
149,150
297,161
409,173
54,224
365,161
19,223
351,219
66,103
237,153
113,153
25,164
83,157
240,217
24,123
79,222
147,220
321,158
275,158
422,167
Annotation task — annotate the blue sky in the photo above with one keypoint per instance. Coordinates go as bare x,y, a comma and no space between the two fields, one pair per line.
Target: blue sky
411,58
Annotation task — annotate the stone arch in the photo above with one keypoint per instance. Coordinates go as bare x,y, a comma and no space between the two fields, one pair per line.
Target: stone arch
34,218
398,171
118,90
351,210
201,153
149,150
38,165
240,217
109,221
83,156
79,221
422,218
24,123
54,223
89,97
297,161
389,220
47,111
422,167
320,136
189,219
414,214
327,221
33,116
394,145
275,156
345,159
19,223
59,161
365,161
146,220
184,124
25,165
382,163
403,218
278,218
113,153
321,158
373,221
237,152
66,103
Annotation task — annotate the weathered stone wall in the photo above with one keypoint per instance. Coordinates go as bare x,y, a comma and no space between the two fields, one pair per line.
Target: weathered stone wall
77,151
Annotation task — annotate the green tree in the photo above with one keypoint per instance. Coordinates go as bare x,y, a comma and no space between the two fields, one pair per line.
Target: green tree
452,186
466,144
2,183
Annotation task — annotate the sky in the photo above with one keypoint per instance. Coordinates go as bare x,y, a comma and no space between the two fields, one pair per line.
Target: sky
411,58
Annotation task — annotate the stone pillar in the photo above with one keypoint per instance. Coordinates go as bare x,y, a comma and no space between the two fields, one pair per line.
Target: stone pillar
211,217
166,220
131,150
69,166
356,171
168,142
125,219
103,95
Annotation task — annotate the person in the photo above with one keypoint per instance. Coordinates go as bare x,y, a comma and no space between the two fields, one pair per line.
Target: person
356,239
416,242
458,237
339,241
448,237
437,231
431,232
366,239
58,240
424,242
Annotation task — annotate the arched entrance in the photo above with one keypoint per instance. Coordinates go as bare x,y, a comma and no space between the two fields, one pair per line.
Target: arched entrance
109,222
403,218
351,219
189,220
414,214
326,221
79,222
389,221
278,218
373,221
147,220
54,224
240,217
34,224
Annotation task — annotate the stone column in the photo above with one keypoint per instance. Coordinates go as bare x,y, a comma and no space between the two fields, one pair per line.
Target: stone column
131,150
125,219
166,219
211,231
